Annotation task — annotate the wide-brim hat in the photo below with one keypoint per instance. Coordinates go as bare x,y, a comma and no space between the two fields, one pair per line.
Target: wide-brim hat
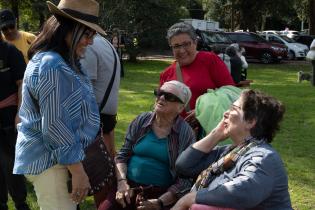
85,12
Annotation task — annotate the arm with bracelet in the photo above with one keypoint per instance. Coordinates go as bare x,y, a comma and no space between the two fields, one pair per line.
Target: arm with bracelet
123,188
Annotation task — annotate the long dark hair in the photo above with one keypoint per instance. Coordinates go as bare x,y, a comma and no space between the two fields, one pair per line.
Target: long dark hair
52,37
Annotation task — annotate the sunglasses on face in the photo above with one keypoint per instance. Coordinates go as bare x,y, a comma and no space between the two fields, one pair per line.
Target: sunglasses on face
7,27
168,96
184,45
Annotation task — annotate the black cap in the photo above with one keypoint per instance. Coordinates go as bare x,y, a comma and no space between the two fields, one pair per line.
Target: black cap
6,18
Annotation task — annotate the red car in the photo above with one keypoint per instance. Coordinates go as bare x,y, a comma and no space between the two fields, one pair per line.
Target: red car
258,48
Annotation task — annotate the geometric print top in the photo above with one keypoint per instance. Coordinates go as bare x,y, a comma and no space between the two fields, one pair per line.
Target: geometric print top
59,115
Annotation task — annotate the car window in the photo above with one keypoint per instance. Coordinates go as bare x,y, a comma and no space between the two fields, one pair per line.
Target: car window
245,38
215,37
275,39
287,39
257,38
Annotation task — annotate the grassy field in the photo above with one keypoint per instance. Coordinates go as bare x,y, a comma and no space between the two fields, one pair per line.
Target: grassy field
295,142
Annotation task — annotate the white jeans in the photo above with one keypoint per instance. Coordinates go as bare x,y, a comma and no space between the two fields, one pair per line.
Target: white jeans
51,189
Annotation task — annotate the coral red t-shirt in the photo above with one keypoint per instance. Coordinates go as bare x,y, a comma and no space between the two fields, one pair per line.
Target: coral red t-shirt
207,71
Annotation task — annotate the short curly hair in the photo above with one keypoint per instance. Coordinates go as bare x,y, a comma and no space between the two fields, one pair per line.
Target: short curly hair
266,110
181,28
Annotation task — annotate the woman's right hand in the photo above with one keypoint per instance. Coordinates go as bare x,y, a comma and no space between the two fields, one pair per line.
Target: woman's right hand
220,132
123,193
80,182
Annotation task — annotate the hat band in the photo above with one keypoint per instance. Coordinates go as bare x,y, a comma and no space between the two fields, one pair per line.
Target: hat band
82,16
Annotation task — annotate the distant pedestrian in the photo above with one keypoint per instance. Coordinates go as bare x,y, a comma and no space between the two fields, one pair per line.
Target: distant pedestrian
118,42
20,39
236,63
12,67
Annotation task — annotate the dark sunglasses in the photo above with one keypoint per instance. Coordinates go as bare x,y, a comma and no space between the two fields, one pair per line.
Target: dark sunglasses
10,26
168,96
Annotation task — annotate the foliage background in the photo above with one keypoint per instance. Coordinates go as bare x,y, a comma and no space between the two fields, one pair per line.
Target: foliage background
148,20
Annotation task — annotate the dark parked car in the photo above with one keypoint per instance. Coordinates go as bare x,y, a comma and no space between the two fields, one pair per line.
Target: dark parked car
304,39
258,48
210,40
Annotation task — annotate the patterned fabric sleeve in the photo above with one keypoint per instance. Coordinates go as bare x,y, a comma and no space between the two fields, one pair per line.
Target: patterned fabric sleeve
59,104
186,138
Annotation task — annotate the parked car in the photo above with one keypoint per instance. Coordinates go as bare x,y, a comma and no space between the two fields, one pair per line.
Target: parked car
270,32
291,34
295,50
258,48
208,40
304,39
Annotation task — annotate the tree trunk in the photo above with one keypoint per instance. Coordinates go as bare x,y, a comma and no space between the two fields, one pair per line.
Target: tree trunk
312,17
15,10
263,22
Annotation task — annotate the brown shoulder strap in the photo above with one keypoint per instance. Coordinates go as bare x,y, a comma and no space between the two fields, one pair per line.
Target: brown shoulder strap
180,78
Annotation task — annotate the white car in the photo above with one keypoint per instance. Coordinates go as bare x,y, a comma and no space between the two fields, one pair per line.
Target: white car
270,32
290,33
295,50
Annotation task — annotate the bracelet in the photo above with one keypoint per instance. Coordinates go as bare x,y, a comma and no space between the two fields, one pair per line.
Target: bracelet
121,179
160,203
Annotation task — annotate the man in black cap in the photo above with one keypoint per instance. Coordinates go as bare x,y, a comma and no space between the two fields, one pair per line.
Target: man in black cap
12,67
20,39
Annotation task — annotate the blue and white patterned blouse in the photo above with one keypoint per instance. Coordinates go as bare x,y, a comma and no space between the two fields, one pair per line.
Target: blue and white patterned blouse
59,115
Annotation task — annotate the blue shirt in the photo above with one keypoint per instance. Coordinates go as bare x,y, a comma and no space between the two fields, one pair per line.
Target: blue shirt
257,181
180,137
150,163
59,115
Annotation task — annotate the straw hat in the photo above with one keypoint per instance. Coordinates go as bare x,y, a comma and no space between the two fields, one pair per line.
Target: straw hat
82,11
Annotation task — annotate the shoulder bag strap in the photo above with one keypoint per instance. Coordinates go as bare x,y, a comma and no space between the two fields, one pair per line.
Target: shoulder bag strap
110,85
180,78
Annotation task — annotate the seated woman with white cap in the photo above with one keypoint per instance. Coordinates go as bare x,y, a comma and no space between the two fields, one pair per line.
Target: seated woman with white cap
146,176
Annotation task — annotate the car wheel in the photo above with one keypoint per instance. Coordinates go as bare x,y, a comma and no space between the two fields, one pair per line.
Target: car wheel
266,58
291,55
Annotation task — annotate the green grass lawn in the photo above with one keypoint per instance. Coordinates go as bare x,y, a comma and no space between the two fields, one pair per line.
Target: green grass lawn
295,142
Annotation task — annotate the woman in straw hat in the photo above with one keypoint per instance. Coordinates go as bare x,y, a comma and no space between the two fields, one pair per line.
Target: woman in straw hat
59,115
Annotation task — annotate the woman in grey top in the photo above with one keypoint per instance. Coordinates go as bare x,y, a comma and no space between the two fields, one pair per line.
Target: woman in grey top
246,175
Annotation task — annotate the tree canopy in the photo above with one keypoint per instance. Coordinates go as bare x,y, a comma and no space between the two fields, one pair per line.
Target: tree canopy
148,20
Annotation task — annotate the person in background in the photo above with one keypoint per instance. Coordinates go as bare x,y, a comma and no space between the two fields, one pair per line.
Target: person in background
240,52
118,42
199,70
145,164
99,62
12,67
236,64
59,114
249,174
20,39
224,57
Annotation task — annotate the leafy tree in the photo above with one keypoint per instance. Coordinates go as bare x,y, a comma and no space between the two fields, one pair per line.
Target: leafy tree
147,20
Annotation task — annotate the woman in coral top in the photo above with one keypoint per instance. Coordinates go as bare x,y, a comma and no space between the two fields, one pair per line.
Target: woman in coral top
200,70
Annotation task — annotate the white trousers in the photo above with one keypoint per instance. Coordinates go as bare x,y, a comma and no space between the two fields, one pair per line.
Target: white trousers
51,189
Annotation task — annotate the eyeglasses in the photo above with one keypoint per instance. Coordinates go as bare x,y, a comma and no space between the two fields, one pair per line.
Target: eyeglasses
7,27
89,34
184,45
168,96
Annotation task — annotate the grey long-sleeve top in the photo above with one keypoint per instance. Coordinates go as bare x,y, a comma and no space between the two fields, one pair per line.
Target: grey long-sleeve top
258,180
